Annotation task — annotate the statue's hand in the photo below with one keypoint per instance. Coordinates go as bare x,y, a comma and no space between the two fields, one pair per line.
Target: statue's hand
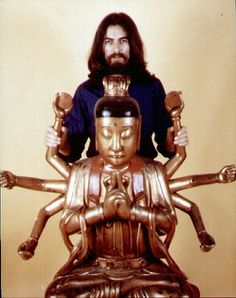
117,203
27,248
227,174
123,207
59,112
7,179
206,240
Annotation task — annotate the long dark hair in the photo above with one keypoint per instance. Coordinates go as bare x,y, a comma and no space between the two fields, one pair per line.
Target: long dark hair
136,67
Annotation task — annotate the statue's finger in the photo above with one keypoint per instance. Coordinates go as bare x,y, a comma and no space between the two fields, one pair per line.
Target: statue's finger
120,182
112,183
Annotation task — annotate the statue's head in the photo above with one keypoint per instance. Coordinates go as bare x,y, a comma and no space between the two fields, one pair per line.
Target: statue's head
117,122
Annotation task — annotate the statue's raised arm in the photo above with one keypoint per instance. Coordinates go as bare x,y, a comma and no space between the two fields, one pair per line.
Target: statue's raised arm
174,105
61,106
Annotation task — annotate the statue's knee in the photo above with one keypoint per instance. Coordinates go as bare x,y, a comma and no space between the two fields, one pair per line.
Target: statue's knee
151,292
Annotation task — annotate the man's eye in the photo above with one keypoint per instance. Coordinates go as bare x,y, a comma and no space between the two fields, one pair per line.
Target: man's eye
107,41
124,40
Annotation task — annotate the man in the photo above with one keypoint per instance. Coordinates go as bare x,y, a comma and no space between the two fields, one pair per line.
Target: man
117,49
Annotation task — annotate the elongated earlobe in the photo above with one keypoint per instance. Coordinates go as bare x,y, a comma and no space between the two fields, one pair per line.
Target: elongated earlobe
96,141
139,133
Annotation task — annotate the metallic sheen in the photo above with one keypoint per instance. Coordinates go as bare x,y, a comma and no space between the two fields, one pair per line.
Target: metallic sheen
121,206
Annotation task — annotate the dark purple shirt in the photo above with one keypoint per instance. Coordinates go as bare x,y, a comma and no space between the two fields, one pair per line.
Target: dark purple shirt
150,96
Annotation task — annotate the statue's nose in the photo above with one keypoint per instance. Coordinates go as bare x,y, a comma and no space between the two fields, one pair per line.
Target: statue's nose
116,143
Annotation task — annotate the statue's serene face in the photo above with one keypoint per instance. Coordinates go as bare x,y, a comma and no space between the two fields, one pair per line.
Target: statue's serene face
117,139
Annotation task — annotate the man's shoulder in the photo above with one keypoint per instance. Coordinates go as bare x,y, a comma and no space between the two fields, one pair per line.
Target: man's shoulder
84,85
155,82
88,88
150,83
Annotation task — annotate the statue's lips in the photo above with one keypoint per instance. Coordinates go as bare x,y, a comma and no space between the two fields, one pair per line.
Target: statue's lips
116,156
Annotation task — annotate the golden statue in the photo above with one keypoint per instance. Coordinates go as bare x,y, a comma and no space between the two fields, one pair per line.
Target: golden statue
121,205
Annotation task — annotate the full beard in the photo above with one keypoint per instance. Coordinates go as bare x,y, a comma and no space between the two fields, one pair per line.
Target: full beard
118,68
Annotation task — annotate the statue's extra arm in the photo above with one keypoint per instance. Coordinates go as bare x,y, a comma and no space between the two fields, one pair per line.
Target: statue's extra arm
164,221
59,164
225,175
175,105
27,248
9,180
62,106
172,165
92,216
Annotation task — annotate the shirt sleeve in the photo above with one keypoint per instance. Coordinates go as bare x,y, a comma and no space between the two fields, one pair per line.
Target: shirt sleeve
162,120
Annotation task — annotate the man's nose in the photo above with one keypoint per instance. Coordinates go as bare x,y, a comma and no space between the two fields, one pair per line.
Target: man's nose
116,145
116,47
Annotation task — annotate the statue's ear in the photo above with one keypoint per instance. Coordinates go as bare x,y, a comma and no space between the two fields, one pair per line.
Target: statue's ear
96,141
139,133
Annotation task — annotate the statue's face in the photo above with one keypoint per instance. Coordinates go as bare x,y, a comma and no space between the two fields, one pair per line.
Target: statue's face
117,139
116,46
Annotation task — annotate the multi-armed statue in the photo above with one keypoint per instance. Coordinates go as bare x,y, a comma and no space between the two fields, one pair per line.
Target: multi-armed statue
121,205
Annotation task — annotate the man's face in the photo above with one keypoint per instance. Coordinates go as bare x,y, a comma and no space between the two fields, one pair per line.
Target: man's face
117,139
116,46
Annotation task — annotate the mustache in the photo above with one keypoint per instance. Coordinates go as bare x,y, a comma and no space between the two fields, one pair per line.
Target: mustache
119,55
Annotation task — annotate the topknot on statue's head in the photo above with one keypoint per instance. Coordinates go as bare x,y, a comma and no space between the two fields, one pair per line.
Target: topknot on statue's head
116,101
116,85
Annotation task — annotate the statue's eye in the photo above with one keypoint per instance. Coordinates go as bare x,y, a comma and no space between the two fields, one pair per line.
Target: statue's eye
106,132
127,133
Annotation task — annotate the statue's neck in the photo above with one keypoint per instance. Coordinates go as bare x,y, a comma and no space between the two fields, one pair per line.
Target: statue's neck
110,168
